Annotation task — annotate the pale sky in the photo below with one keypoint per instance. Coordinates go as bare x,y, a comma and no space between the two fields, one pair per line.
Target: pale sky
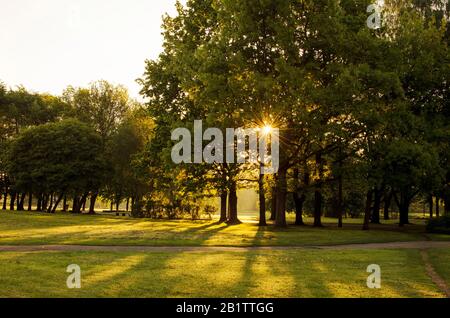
47,45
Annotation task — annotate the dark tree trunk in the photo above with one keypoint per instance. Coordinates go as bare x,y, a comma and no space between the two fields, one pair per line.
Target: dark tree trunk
52,209
128,204
318,192
387,204
232,203
39,203
5,197
262,201
136,207
298,200
83,203
92,203
65,203
376,206
280,217
438,212
340,204
430,205
12,201
223,206
368,209
21,202
76,204
45,200
273,209
404,214
340,200
403,206
447,203
30,201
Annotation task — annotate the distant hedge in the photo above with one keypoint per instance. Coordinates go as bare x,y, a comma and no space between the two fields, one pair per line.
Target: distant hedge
440,225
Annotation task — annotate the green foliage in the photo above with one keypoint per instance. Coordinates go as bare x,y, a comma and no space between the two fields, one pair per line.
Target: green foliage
63,158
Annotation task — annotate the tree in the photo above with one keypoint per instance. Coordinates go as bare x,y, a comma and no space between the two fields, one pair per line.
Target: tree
56,159
103,107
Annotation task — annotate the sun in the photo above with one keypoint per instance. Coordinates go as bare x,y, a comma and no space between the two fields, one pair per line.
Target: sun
267,129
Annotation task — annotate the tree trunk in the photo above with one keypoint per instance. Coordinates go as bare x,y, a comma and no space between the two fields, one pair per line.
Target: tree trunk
39,203
376,206
262,201
318,192
30,201
340,200
368,210
233,211
298,201
447,203
387,204
438,212
403,206
404,214
21,202
430,204
12,201
83,203
273,209
58,201
76,204
45,200
128,204
65,203
5,197
223,206
92,203
280,217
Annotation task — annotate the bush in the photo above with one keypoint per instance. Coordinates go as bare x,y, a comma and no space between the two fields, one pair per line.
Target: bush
440,225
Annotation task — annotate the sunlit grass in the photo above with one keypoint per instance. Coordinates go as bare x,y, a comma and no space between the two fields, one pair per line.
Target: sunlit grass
38,228
305,273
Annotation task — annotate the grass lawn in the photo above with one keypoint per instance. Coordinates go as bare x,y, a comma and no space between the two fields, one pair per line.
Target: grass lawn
282,273
19,228
308,273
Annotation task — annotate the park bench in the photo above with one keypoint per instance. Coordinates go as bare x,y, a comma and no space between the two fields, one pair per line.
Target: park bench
117,213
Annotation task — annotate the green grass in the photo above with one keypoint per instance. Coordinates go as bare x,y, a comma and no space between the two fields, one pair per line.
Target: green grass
19,228
305,273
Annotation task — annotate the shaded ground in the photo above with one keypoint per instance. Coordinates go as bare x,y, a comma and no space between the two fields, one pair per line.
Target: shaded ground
206,249
20,228
268,273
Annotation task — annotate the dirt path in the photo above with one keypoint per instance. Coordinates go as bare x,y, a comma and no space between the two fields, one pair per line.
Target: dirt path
437,280
75,248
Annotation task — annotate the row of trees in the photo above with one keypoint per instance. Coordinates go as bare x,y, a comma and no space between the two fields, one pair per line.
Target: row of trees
70,148
362,113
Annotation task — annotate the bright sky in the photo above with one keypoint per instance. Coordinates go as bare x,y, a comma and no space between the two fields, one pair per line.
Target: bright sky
47,45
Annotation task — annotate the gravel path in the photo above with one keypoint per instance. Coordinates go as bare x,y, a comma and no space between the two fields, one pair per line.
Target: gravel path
74,248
